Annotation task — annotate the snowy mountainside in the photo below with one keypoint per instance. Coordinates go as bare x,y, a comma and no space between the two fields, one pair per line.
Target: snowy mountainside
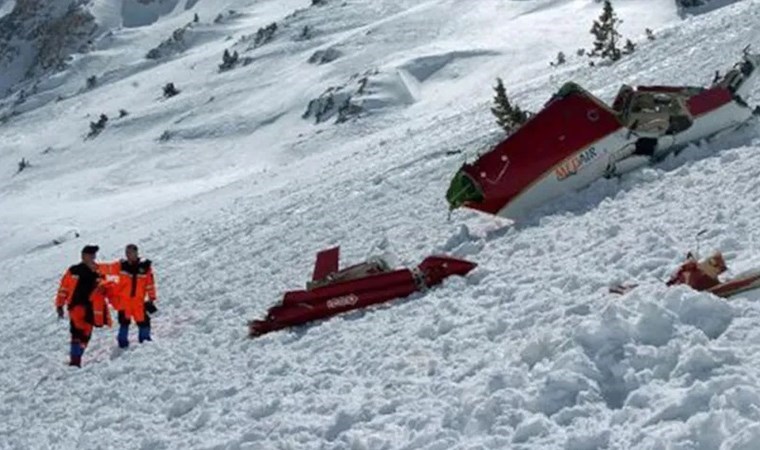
39,38
213,109
528,352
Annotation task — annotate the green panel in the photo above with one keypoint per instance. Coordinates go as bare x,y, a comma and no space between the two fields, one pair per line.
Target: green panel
462,190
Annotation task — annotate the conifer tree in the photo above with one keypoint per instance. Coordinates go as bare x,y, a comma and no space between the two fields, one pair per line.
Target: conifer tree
170,90
561,59
629,48
229,60
23,164
507,116
606,34
97,127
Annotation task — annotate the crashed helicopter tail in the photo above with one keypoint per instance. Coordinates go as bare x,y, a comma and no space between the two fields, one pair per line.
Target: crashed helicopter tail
332,291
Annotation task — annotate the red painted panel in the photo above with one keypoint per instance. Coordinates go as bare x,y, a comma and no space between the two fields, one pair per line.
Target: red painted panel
303,313
304,306
372,282
709,100
438,268
735,286
327,263
564,127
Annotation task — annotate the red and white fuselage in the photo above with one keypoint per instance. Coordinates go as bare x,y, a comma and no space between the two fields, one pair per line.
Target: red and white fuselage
577,139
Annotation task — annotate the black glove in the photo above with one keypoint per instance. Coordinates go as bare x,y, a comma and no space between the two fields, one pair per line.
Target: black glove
150,307
59,310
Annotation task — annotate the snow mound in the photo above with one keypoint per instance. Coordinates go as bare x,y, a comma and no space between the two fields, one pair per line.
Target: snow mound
367,93
445,65
378,90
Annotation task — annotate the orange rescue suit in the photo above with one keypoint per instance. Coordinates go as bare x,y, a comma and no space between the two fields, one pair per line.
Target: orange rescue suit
88,295
136,282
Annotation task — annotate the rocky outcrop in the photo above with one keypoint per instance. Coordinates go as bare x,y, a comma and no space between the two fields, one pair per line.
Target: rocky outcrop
139,13
39,36
701,6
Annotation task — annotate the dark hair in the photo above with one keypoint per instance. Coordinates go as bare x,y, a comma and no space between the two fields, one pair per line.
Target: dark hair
90,249
131,247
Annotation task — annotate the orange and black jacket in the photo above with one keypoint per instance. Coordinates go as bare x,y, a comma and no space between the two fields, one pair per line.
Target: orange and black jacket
81,286
77,284
136,281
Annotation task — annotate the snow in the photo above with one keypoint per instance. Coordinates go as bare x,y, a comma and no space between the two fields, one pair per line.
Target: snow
6,6
528,352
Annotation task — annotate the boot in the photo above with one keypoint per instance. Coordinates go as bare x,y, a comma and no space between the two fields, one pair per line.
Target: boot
123,337
143,334
76,354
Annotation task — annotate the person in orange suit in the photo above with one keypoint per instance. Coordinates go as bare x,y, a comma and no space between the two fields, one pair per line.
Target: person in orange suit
84,290
136,297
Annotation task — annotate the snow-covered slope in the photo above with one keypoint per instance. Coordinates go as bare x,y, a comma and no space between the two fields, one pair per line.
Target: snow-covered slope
230,191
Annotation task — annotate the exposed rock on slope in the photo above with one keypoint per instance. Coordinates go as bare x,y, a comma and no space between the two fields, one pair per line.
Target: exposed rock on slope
39,36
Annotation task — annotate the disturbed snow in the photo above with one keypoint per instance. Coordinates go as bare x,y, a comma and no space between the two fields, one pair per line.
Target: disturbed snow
528,352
